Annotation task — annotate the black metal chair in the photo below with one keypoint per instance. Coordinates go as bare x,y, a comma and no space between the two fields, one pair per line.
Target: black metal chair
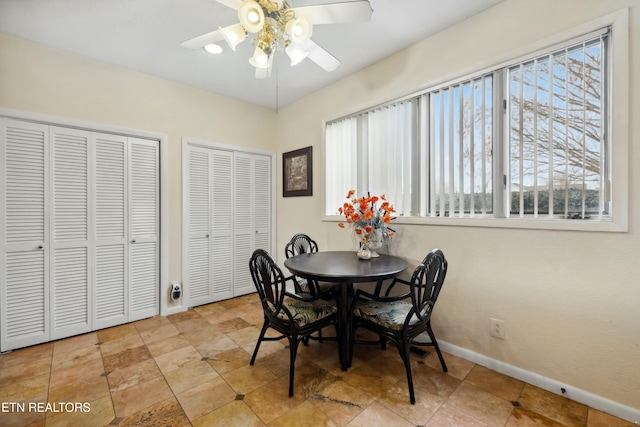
293,316
404,318
302,244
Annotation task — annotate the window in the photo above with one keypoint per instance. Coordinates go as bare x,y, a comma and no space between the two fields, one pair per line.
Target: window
527,140
375,150
461,142
557,148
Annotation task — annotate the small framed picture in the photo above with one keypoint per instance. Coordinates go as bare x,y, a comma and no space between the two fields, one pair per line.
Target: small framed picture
297,173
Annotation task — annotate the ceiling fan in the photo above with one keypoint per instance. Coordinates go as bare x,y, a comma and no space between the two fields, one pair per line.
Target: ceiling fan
277,26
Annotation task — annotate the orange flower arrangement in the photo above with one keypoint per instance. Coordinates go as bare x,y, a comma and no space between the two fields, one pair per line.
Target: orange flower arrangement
365,215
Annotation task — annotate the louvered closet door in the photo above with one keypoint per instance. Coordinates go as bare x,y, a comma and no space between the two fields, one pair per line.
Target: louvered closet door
210,205
198,274
24,241
70,285
252,224
111,231
144,290
228,210
262,201
244,230
222,225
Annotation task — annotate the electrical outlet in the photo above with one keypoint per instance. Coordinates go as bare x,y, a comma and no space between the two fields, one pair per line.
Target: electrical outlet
497,328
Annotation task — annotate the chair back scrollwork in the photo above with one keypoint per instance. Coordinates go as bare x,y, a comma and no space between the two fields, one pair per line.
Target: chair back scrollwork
269,281
300,244
425,285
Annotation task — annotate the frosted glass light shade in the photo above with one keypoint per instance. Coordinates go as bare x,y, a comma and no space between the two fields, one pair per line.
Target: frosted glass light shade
259,59
299,30
251,16
296,53
233,35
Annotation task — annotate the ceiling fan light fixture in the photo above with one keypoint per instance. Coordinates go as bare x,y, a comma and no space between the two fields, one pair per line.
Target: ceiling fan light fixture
251,16
296,53
299,30
213,48
259,58
278,27
278,3
233,35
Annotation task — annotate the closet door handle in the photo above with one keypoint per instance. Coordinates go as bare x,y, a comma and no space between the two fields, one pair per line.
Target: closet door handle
133,241
40,247
207,236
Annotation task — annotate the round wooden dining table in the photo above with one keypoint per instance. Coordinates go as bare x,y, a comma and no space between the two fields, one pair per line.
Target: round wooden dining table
345,268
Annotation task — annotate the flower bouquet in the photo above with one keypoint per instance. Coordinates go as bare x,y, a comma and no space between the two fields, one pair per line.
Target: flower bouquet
369,221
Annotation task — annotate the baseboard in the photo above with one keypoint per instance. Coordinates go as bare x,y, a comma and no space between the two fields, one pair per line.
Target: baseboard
594,401
177,309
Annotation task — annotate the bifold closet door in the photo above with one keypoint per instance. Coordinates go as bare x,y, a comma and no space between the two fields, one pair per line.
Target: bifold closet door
210,216
144,207
126,229
24,235
70,285
110,305
222,225
252,216
228,208
262,200
198,274
79,228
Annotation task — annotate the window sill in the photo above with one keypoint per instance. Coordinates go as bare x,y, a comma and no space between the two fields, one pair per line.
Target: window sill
514,223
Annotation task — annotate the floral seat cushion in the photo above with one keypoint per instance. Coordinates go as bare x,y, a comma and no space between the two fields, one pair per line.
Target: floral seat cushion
304,312
391,315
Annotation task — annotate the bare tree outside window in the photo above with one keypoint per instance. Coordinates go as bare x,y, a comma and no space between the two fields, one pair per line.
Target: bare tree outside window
557,151
462,136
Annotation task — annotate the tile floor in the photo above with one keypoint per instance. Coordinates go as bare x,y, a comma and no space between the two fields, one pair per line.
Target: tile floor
192,369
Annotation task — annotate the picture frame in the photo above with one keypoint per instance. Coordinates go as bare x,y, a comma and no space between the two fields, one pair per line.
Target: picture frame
297,173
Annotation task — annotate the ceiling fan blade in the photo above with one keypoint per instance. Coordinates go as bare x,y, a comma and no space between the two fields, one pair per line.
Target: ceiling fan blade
213,36
336,13
321,57
233,4
203,40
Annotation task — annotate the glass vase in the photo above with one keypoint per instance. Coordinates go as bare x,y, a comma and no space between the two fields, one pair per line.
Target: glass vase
364,253
374,242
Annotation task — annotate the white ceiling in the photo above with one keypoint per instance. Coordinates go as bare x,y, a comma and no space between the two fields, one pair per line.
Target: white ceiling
145,35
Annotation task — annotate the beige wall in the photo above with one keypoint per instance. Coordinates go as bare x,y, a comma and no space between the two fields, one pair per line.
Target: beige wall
569,300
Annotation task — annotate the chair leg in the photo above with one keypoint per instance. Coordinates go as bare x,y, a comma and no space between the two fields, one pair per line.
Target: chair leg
262,332
352,338
435,345
293,350
340,344
404,350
